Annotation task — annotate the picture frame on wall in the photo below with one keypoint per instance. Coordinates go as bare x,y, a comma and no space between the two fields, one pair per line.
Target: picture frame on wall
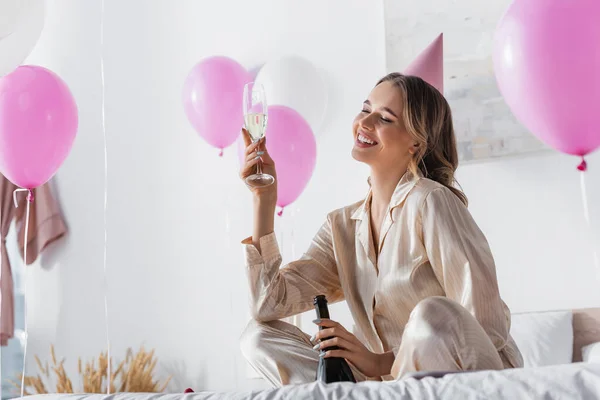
485,127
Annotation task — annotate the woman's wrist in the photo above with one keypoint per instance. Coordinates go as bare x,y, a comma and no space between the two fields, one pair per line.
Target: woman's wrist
264,218
386,361
265,201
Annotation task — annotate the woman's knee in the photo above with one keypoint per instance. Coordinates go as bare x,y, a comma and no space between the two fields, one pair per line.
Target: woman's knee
264,336
434,316
431,308
252,338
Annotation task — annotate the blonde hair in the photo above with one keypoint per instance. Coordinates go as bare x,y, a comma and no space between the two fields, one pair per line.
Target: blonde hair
428,119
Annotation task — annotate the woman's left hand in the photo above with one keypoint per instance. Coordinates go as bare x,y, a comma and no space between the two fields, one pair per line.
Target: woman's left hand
350,348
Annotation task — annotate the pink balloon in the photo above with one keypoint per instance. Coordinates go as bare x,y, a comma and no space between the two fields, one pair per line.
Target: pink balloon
212,99
547,64
292,145
38,124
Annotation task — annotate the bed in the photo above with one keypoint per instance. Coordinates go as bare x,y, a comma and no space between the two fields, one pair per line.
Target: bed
546,338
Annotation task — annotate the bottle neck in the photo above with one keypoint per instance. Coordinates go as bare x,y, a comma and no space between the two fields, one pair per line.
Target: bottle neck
322,311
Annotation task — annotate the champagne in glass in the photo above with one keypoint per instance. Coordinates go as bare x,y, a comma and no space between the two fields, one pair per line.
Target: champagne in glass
256,125
255,119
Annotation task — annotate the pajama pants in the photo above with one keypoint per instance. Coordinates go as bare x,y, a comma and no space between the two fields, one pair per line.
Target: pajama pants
440,335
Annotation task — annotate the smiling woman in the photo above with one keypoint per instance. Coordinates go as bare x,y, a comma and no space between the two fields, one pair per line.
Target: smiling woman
427,133
414,268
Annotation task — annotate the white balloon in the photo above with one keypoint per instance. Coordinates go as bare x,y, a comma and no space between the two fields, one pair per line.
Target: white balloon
296,83
9,11
21,23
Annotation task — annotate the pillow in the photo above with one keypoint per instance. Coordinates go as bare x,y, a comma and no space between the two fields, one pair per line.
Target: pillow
544,338
591,353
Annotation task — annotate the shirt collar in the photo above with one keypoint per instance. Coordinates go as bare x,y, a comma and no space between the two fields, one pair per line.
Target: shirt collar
404,186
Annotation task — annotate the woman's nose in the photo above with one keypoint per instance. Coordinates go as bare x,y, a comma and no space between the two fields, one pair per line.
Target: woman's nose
366,123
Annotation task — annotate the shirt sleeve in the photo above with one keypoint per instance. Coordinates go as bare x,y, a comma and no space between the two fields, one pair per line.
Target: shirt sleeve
462,261
46,223
277,293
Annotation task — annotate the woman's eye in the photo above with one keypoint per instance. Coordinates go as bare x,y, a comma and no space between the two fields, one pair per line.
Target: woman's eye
364,111
387,121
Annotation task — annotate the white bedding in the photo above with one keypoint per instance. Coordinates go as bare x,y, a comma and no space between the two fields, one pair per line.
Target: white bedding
569,382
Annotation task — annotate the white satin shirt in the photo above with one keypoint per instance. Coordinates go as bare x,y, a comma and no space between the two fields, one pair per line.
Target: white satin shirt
429,246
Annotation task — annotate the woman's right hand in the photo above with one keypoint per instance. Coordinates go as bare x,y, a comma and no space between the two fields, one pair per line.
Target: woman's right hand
255,153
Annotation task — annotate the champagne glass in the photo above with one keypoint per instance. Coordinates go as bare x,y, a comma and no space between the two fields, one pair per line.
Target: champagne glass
255,119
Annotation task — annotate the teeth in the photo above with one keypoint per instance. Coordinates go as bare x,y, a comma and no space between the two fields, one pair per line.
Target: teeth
363,139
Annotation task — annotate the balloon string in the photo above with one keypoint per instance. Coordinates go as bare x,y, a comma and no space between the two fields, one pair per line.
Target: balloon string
294,319
293,246
588,220
228,244
105,272
297,319
228,241
25,241
281,239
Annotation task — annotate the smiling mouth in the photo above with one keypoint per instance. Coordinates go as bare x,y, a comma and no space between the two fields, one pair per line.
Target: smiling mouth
365,141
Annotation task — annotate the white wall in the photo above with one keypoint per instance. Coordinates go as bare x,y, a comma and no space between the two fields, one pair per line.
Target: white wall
176,212
176,275
531,210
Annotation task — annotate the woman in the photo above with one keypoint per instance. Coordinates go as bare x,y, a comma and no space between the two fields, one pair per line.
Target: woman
415,270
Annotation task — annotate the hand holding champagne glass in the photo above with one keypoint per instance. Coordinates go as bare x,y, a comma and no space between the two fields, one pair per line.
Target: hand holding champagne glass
258,162
255,118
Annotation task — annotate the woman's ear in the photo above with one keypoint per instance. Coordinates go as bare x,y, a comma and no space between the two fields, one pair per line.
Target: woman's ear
413,149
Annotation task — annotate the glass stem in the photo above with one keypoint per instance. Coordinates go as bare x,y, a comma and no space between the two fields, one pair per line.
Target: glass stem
259,164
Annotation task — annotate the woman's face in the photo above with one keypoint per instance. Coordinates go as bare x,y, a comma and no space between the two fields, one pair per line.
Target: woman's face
380,138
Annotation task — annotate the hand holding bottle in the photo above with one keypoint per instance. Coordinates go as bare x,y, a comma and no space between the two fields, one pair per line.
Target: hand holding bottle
350,348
